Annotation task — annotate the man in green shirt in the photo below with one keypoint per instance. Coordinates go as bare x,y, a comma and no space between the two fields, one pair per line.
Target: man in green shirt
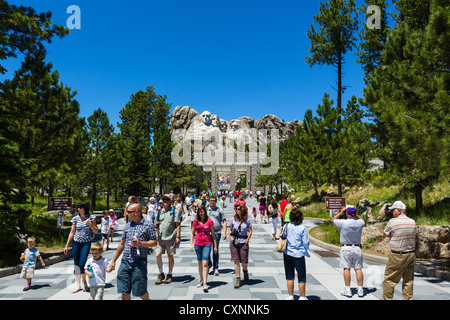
168,229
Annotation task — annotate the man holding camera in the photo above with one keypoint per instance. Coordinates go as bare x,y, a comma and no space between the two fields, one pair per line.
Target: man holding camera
351,252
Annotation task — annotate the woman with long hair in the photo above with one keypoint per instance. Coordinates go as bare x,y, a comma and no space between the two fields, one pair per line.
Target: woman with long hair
274,210
240,232
203,233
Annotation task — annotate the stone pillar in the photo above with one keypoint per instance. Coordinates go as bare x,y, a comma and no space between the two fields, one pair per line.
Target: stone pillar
233,178
249,185
214,186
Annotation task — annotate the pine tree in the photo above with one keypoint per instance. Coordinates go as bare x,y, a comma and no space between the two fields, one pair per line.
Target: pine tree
136,132
24,30
161,164
372,39
409,94
99,133
337,26
40,119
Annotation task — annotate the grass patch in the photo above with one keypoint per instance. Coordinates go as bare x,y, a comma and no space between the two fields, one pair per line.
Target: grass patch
327,232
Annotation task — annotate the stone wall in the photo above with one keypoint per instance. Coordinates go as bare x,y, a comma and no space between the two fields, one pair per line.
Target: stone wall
432,242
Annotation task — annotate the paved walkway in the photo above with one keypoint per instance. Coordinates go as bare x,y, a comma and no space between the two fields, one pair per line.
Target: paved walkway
266,271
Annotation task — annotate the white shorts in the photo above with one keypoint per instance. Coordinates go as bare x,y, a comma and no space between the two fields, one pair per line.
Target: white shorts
351,257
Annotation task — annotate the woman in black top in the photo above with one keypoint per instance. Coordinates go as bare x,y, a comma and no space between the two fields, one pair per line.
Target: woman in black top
262,206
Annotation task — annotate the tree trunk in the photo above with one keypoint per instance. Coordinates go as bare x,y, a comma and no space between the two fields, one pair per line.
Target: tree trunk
419,200
339,90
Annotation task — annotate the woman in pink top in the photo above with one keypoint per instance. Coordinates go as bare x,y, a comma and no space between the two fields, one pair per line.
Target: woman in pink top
241,200
203,232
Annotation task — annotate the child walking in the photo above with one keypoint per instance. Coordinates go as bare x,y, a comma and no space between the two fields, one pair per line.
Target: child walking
96,267
29,258
106,228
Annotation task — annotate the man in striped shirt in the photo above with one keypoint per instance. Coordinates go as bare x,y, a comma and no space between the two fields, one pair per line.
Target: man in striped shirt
401,231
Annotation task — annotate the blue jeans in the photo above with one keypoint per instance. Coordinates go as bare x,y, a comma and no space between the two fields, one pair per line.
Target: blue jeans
202,252
80,255
215,263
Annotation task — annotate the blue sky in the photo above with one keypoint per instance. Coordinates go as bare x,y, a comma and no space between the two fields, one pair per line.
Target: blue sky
230,57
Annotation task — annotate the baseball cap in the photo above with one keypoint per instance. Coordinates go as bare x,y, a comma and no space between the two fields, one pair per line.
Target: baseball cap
397,205
351,210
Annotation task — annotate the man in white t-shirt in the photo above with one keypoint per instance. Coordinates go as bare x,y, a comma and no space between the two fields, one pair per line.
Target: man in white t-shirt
188,201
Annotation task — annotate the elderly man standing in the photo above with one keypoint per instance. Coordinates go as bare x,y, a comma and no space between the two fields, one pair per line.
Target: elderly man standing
138,236
401,231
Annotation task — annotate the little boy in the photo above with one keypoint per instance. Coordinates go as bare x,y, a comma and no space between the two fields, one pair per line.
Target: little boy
29,258
106,227
96,271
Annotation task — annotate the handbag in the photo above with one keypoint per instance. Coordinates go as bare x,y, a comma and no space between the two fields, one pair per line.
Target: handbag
282,242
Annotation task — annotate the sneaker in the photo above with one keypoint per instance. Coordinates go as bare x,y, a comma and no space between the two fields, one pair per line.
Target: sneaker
216,272
200,284
346,293
169,279
205,288
360,292
238,284
245,274
160,278
290,298
303,298
27,287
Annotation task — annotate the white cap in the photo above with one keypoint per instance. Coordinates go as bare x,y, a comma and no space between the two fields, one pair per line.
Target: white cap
397,205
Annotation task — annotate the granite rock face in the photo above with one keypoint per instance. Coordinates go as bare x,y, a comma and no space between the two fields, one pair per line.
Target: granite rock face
188,118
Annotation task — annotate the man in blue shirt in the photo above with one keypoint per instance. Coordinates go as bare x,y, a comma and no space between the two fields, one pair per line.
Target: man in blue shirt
138,236
351,253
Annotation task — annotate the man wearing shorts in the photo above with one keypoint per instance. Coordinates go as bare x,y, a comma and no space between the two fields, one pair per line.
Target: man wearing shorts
168,228
138,236
351,253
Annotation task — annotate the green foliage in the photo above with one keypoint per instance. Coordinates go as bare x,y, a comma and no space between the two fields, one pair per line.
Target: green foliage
409,96
24,30
328,149
148,144
337,22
